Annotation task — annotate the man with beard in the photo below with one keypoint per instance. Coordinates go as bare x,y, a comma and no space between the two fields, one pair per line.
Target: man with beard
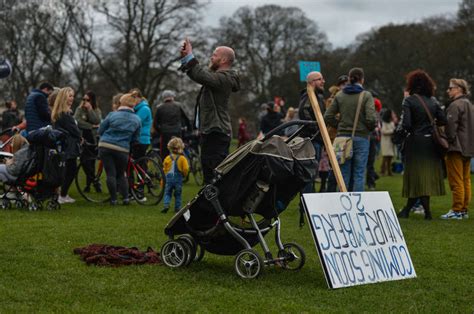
211,115
305,112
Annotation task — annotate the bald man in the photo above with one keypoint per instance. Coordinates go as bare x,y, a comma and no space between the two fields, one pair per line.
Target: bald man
305,112
211,115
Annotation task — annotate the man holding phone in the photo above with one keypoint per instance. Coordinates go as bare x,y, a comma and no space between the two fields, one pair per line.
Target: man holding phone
211,115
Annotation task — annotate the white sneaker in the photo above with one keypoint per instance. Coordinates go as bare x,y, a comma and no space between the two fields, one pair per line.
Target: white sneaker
418,210
69,199
65,199
142,199
62,200
452,215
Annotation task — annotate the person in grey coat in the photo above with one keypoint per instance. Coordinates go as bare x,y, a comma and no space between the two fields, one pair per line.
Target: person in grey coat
459,130
212,116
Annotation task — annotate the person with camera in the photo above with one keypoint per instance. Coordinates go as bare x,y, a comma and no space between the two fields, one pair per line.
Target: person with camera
212,116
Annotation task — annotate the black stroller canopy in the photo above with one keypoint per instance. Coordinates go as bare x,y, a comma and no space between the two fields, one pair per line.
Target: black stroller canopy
284,167
274,147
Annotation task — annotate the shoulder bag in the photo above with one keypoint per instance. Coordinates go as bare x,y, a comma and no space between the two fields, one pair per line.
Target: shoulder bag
439,136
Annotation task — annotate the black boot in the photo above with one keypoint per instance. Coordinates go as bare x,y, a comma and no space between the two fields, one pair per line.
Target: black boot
404,212
425,202
428,215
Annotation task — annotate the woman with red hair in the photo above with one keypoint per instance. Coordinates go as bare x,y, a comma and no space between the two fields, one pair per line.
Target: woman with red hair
423,175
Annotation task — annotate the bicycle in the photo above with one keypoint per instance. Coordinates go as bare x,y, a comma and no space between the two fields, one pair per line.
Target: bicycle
154,153
146,181
195,166
194,160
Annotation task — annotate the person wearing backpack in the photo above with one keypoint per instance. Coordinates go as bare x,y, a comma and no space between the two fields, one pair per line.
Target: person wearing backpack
176,167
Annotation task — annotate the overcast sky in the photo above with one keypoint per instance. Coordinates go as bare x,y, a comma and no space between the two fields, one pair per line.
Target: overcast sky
343,20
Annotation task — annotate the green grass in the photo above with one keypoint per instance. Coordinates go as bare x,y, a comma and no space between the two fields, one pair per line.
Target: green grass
40,273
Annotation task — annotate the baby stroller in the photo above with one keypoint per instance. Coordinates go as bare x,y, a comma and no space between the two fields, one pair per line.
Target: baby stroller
252,187
41,174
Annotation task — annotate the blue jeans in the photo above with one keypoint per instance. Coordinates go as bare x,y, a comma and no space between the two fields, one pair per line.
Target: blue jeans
354,168
173,182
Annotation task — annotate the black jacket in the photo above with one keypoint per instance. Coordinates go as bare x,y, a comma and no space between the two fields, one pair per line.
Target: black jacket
270,121
170,119
10,118
67,124
414,117
305,112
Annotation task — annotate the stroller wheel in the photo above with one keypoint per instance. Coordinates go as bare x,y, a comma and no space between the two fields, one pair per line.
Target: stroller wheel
188,249
20,204
189,240
248,264
293,256
53,205
34,206
174,254
199,253
5,204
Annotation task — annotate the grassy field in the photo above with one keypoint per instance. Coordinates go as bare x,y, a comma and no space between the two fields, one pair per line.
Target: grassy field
40,273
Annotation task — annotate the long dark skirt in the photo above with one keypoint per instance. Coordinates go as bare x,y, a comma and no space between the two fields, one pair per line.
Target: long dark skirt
423,175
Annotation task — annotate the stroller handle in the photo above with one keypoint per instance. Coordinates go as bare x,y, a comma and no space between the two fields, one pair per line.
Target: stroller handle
286,125
6,131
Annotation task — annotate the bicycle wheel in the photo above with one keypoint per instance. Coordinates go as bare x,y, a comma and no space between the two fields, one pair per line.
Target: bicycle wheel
95,191
197,171
148,181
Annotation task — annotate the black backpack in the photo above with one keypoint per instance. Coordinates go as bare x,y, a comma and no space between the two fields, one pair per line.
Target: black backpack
54,167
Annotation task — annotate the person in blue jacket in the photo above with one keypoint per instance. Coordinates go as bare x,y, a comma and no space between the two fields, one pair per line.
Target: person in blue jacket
143,111
37,112
117,132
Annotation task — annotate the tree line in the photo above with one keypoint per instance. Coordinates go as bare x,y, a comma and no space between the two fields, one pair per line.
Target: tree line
112,46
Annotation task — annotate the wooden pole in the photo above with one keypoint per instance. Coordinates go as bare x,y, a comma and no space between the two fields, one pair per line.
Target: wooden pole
327,141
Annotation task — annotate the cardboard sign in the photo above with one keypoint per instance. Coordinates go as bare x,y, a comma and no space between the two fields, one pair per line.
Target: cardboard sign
358,238
306,67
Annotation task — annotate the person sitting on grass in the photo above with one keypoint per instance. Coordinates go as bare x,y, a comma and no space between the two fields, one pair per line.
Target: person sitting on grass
176,167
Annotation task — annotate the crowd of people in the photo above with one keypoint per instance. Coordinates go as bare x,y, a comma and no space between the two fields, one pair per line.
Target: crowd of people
130,129
350,112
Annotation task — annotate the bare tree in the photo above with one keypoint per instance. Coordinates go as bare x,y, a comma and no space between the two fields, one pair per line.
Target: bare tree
82,67
35,39
269,41
144,36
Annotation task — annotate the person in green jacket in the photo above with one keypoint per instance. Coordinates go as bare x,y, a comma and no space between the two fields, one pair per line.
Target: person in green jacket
212,116
345,103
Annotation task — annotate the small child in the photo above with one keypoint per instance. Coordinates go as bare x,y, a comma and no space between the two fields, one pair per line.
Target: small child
176,167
